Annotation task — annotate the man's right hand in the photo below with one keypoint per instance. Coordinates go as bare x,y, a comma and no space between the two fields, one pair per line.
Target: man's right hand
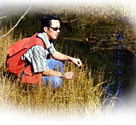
68,75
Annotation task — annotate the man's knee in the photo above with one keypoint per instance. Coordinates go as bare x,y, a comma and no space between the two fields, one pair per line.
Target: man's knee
59,63
53,64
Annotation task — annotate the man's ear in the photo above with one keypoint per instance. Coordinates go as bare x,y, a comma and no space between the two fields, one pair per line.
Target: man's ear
45,29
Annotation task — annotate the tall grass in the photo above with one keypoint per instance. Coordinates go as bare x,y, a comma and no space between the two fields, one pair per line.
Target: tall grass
78,95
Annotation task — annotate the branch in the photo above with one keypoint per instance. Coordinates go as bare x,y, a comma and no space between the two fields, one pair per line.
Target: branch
2,17
73,39
82,40
130,46
17,22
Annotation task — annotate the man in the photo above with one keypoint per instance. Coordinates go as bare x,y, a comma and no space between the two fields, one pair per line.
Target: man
28,58
37,55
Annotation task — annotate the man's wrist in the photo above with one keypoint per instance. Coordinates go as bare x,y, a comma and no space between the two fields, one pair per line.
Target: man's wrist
62,74
70,58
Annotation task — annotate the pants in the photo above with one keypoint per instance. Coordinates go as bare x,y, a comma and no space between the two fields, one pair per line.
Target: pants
53,80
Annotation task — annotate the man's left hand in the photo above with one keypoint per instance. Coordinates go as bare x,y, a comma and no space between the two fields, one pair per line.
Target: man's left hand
76,61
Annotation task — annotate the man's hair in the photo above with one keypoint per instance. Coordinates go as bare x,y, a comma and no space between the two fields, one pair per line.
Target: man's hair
46,20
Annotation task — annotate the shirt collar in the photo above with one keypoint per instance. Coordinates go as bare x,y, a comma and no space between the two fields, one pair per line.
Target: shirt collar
47,43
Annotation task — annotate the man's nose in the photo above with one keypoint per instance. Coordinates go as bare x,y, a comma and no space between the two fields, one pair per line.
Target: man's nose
58,31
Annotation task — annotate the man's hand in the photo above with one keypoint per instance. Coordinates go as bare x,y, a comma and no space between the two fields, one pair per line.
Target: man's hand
76,61
68,75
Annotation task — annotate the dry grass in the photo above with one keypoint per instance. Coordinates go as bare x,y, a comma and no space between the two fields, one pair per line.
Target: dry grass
74,96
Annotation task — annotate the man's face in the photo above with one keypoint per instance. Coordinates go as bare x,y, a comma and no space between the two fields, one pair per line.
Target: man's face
53,31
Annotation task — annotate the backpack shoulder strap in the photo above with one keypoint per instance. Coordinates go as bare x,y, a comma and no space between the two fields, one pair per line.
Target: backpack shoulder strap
25,43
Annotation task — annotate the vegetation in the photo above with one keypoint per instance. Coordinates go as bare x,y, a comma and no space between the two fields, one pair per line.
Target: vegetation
75,96
97,30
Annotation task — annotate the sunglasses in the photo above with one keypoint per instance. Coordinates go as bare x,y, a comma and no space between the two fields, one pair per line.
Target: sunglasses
55,29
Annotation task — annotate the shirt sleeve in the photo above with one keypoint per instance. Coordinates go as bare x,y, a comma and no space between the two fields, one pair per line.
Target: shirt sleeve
52,49
37,57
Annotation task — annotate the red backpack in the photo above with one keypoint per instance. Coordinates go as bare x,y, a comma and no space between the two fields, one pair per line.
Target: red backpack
16,66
